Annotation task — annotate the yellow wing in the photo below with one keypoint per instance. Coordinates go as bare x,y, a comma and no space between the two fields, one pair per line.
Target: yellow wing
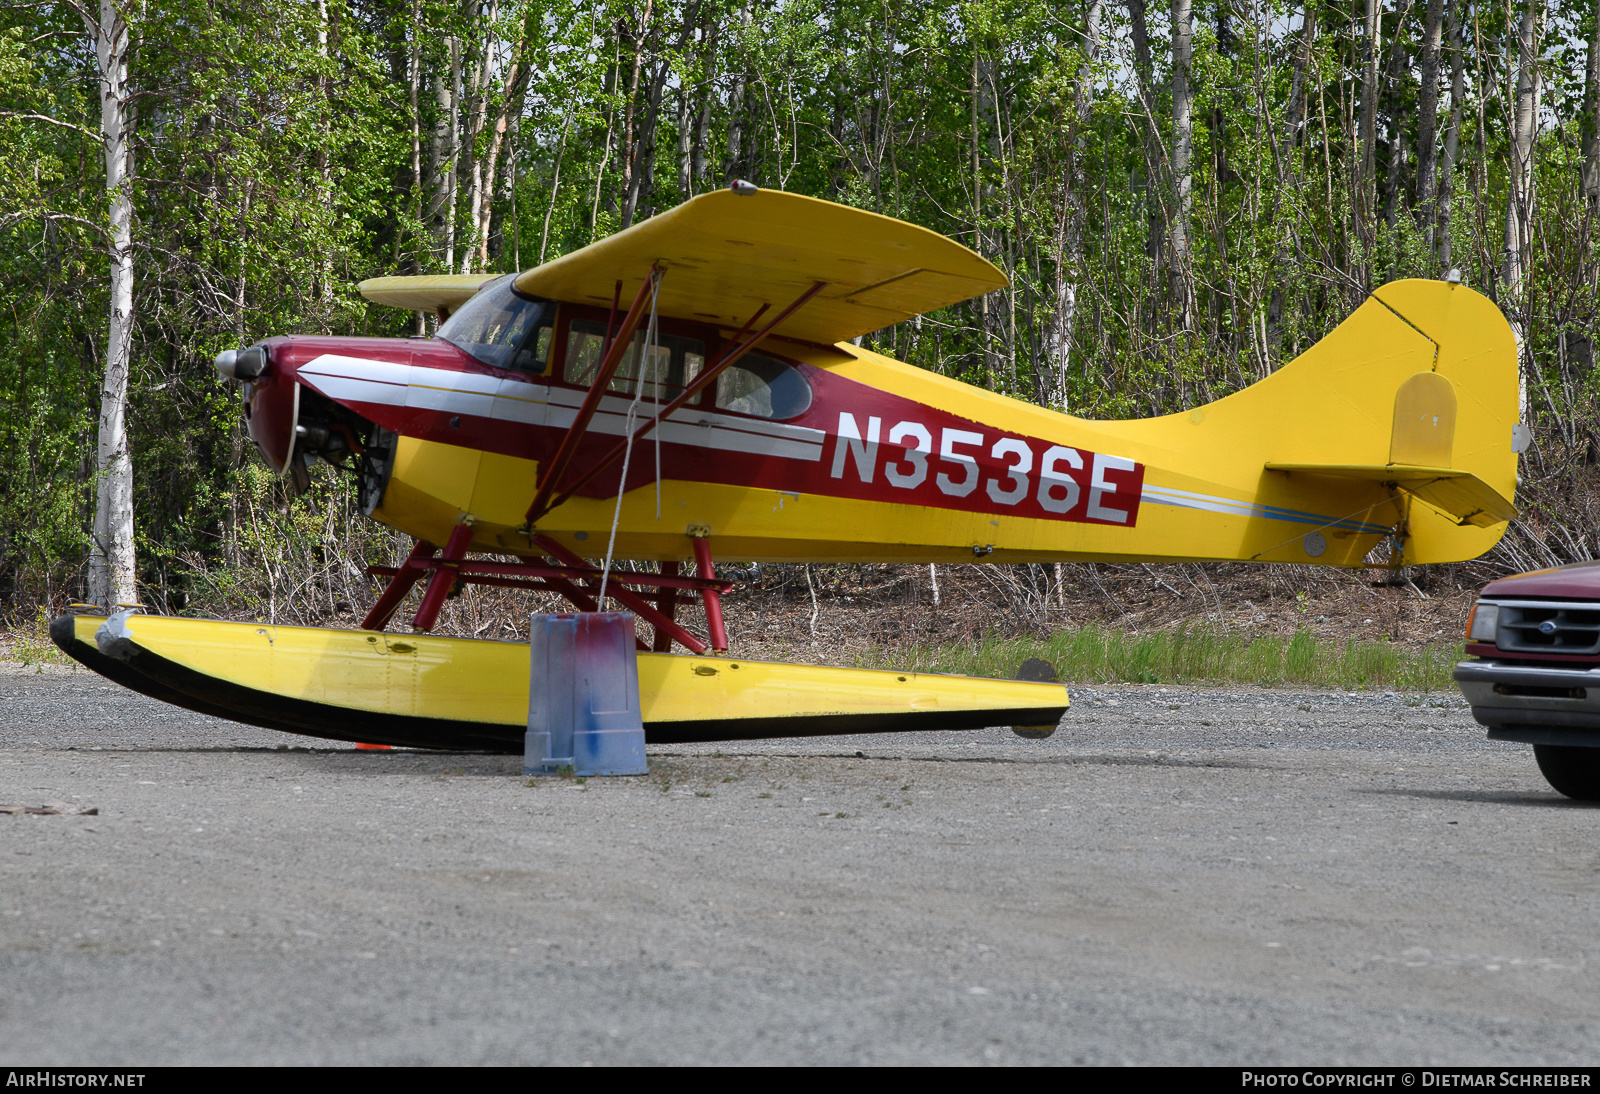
726,254
430,292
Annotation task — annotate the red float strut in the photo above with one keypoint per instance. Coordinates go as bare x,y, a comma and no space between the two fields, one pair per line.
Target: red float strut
443,579
712,598
569,576
635,603
409,573
667,605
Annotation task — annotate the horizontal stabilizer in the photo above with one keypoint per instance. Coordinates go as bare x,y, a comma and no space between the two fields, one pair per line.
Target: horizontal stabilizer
1460,493
425,293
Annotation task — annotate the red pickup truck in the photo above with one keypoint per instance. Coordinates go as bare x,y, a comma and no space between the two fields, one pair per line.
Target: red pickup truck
1534,676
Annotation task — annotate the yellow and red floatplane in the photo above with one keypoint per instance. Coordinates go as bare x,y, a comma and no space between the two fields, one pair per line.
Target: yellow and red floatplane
689,387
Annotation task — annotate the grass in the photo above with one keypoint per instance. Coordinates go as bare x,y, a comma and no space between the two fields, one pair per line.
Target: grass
32,646
1189,655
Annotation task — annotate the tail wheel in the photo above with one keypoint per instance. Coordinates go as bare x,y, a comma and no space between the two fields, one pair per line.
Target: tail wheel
1574,771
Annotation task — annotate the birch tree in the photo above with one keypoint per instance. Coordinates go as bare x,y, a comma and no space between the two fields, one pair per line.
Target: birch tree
1589,120
111,561
1182,159
1366,181
1428,119
1524,119
1069,234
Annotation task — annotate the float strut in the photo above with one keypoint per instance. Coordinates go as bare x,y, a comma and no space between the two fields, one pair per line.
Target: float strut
409,573
631,600
712,598
667,605
443,579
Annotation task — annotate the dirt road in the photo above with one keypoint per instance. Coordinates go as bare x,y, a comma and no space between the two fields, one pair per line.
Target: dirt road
1177,876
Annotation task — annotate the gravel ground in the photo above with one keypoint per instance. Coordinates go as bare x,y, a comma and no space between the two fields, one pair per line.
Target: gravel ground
1178,876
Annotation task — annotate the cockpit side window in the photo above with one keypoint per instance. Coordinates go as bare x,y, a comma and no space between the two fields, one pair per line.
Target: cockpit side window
763,387
668,366
502,329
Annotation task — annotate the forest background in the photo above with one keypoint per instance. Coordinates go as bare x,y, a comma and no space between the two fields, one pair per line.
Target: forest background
1184,197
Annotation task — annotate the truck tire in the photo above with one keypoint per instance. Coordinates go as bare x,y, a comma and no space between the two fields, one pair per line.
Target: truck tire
1574,771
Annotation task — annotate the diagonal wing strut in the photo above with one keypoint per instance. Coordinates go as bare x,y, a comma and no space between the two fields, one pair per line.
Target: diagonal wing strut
591,401
542,503
701,382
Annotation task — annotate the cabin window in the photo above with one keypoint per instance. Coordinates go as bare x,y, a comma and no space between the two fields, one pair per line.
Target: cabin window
665,368
763,388
502,329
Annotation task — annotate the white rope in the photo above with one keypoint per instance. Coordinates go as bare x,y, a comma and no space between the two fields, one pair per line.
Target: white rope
627,427
652,337
661,402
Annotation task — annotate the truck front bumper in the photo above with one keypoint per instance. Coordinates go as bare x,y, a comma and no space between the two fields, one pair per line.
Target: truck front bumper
1533,703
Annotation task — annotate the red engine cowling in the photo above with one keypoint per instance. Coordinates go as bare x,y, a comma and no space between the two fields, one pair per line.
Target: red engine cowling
286,419
272,410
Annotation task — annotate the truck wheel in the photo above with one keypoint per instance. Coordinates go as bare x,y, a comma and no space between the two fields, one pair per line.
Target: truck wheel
1573,771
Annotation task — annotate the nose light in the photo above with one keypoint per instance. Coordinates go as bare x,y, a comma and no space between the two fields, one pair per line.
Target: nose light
241,364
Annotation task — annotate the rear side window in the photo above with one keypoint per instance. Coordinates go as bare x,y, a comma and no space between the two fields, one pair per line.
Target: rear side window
763,387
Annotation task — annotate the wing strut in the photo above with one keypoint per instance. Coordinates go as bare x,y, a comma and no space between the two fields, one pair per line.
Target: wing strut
591,402
701,382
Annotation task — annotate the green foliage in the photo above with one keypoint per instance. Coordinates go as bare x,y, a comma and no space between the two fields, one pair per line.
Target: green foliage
1190,655
284,152
32,647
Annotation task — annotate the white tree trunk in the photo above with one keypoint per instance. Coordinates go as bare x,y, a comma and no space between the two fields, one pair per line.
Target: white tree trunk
1428,117
1182,157
324,171
1367,180
1590,124
111,563
511,96
1452,135
686,111
446,150
1519,202
475,91
1069,236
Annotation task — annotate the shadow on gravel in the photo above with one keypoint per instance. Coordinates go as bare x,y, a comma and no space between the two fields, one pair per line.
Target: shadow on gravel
1046,761
269,750
1548,800
1094,761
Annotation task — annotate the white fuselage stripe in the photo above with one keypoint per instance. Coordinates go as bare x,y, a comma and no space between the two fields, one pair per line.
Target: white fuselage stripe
1211,503
350,379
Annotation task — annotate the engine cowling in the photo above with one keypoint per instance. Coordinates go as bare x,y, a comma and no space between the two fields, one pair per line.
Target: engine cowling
271,405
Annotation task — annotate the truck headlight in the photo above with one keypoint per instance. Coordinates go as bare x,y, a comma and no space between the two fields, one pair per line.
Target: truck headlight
1481,625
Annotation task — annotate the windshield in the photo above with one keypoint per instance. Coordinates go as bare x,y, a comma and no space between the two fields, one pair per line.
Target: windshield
502,329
